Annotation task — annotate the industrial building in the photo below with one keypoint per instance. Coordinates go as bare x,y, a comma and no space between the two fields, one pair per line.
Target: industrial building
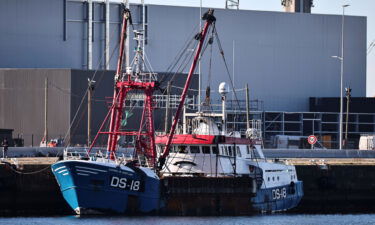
285,57
54,100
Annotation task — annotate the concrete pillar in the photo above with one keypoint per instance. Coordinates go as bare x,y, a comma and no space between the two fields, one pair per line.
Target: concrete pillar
89,34
106,51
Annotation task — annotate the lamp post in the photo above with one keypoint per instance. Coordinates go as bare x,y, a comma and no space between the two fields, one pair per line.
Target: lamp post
342,74
91,86
199,62
348,91
341,96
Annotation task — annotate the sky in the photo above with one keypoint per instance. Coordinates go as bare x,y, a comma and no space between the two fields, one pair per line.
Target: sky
356,8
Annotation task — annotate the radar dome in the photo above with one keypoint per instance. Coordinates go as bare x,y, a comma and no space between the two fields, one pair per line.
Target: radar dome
223,89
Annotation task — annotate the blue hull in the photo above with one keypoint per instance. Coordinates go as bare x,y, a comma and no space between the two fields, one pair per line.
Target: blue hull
279,198
91,187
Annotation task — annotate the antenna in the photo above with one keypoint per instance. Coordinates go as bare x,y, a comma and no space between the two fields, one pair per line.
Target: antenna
232,4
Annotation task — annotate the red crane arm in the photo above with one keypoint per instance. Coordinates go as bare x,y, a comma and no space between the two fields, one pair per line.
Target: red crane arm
125,19
208,16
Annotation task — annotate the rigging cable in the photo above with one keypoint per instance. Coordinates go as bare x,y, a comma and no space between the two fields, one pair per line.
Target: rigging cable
86,92
179,55
371,47
226,65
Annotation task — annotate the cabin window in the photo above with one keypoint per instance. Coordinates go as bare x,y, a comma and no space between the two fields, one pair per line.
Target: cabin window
160,148
278,178
230,151
222,150
214,150
173,149
273,178
194,149
182,149
238,151
206,149
226,150
268,179
247,150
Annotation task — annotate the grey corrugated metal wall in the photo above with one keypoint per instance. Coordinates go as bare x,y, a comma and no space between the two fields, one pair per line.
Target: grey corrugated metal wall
285,57
22,102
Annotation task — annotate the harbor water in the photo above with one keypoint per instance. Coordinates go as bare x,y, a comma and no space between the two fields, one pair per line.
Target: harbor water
275,219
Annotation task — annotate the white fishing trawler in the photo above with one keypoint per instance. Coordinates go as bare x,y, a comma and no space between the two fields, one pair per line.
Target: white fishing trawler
206,148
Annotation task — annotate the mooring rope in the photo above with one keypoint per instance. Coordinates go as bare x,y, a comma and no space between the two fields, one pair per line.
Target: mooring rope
23,173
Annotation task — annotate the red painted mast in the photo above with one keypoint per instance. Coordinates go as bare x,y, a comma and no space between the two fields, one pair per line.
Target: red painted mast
209,17
118,95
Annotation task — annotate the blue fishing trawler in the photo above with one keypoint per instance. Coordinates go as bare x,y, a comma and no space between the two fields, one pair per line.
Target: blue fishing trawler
101,186
95,183
92,182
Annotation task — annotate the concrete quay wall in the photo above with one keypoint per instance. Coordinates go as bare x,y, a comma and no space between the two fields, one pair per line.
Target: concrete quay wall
31,189
337,188
30,194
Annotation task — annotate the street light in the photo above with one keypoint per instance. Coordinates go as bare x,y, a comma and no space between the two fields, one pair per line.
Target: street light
342,73
91,87
348,91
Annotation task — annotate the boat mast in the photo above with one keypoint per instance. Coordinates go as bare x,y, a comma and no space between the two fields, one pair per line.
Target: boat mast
199,64
209,17
46,111
115,112
247,108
